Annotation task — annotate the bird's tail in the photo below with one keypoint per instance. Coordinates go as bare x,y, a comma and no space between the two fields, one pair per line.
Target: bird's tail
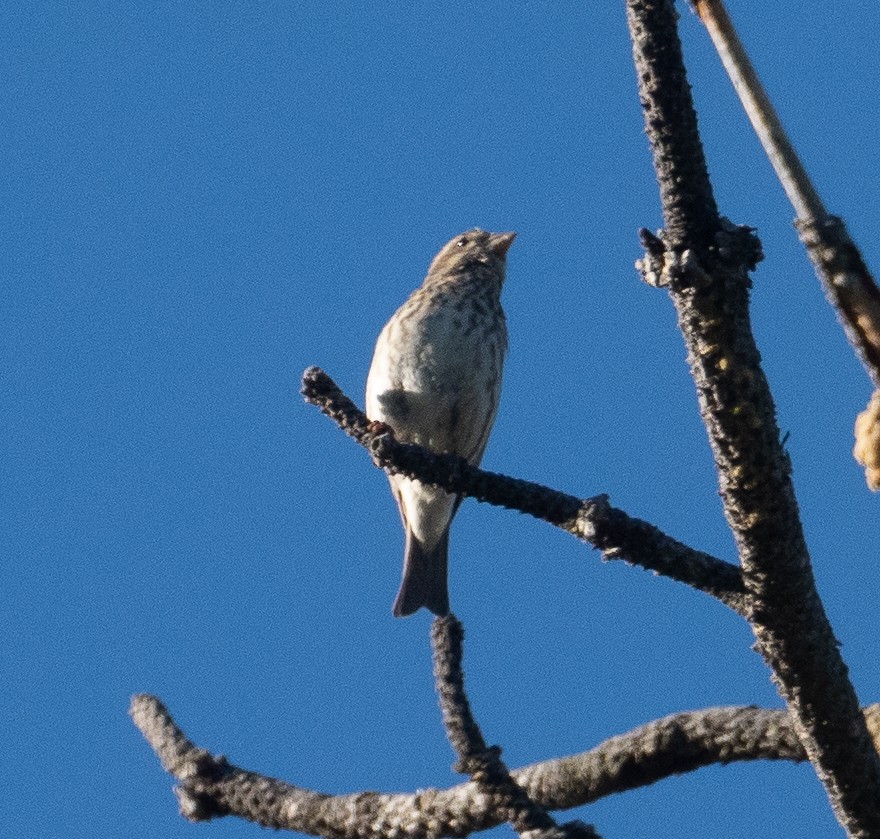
424,578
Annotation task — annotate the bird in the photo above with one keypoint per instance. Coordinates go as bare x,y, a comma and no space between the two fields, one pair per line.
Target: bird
435,380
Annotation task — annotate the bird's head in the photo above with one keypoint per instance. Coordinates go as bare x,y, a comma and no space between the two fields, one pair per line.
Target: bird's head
470,249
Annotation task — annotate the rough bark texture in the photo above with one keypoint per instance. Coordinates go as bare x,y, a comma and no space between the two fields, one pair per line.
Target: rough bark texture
211,786
593,520
475,758
707,276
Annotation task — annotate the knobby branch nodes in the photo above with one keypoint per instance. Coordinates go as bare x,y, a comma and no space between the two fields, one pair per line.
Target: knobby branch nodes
483,763
710,292
210,786
593,520
848,283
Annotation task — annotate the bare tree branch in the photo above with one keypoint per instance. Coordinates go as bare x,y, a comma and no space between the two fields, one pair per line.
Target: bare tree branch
710,291
760,110
689,209
593,520
483,763
211,787
849,285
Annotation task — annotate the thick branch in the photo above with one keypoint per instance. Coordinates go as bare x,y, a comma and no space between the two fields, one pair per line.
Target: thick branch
593,520
689,208
211,786
710,291
483,763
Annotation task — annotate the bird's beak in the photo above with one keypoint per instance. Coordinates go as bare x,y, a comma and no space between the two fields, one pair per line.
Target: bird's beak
499,243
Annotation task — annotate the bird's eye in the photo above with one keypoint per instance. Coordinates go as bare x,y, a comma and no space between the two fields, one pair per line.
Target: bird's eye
462,241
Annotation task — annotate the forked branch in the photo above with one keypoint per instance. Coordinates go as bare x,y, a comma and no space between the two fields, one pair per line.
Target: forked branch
482,762
211,786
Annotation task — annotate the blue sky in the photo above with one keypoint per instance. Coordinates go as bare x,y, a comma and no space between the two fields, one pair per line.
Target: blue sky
200,200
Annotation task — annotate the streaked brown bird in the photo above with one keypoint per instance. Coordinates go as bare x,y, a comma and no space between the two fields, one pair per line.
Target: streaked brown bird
436,381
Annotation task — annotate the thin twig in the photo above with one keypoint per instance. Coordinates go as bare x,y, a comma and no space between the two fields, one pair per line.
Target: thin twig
760,110
483,763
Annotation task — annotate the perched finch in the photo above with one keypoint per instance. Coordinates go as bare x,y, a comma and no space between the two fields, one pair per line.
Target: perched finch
436,381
